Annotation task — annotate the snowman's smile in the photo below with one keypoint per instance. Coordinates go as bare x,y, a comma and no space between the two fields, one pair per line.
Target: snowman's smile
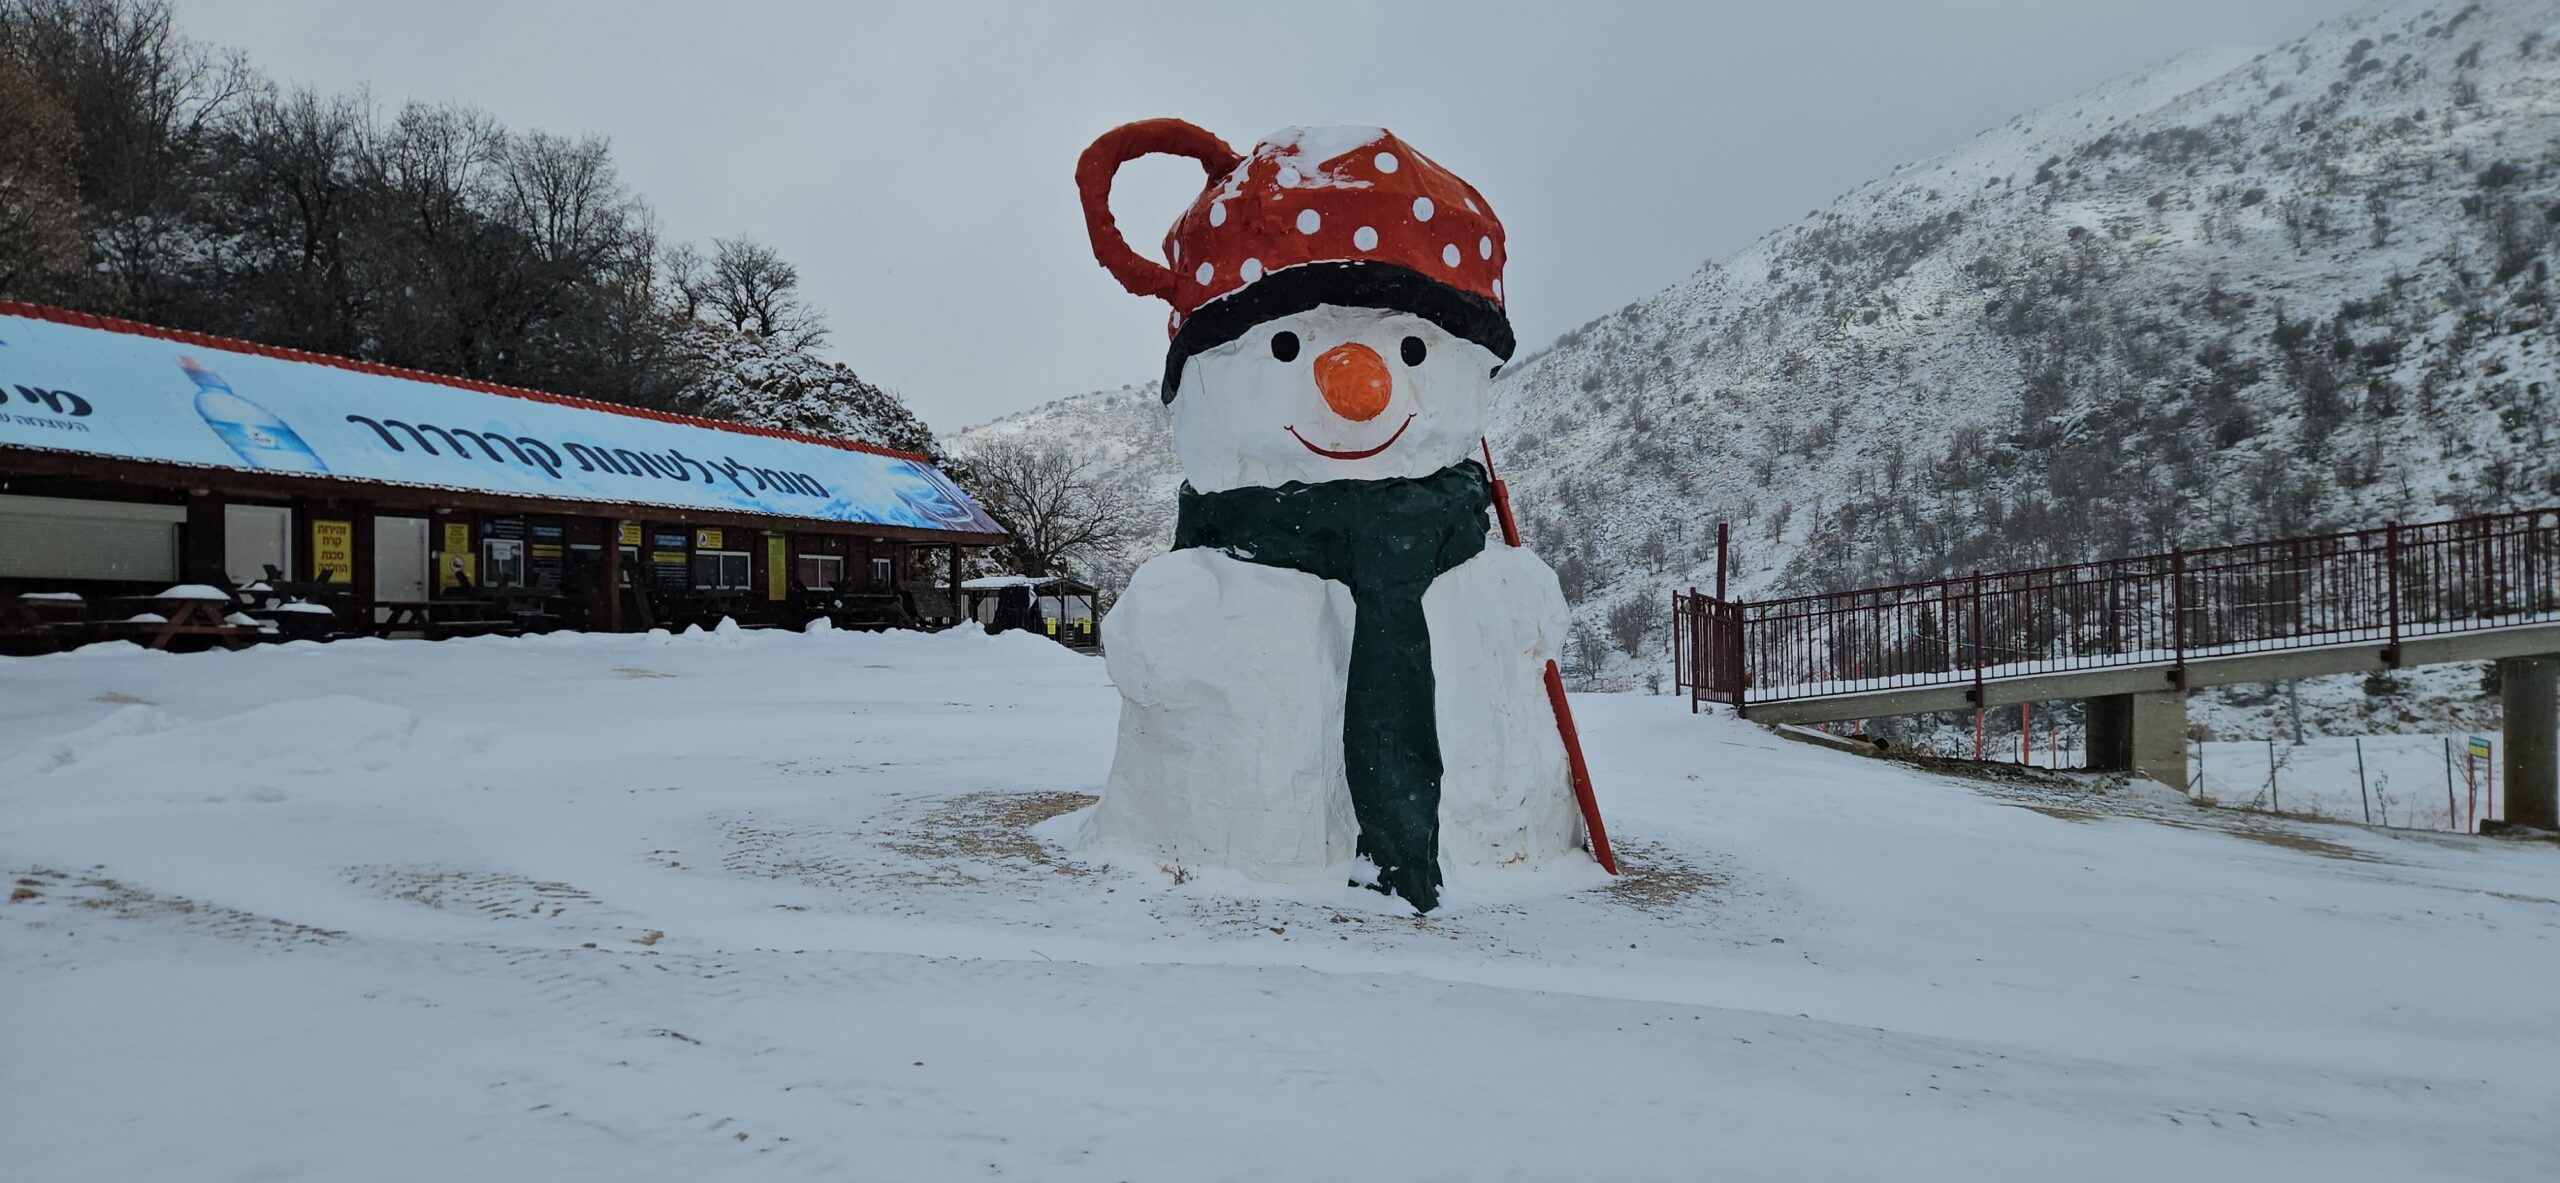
1360,454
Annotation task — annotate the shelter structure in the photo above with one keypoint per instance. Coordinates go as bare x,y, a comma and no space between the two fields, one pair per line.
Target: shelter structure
1062,606
134,457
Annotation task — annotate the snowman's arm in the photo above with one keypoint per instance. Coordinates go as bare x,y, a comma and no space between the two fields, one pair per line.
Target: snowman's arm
1194,622
1531,595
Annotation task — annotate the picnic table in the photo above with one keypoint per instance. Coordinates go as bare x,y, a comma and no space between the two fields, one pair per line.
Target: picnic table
42,621
275,586
859,610
531,608
299,620
438,619
713,604
187,610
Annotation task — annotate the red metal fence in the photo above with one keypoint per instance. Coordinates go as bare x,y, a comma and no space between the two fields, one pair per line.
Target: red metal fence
2377,585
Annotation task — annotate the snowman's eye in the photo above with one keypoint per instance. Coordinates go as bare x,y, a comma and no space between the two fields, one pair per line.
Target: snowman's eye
1284,345
1413,351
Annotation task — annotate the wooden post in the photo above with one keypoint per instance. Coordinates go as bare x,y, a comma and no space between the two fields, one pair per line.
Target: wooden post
955,585
2178,618
2529,692
1720,562
2391,590
612,575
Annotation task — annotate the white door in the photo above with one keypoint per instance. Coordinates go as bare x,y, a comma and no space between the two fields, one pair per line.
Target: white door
255,537
400,567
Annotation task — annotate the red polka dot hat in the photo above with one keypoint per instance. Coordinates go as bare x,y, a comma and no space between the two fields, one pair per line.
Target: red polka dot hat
1350,216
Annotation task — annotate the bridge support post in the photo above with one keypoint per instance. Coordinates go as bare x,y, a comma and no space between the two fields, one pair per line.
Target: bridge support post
2144,734
2529,690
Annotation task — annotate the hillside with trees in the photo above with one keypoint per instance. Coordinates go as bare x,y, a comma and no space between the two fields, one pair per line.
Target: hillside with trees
147,176
2242,295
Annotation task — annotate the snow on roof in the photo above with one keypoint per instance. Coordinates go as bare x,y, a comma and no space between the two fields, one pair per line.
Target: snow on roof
135,392
986,582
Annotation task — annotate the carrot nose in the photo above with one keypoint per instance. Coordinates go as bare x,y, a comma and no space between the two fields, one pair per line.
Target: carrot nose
1354,381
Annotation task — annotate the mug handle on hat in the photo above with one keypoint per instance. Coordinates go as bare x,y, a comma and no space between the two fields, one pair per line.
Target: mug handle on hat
1101,162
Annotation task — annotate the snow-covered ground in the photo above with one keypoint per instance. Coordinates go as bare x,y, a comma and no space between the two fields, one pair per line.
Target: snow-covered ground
770,905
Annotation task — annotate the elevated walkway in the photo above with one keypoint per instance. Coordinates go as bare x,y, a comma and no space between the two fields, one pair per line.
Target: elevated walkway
2131,637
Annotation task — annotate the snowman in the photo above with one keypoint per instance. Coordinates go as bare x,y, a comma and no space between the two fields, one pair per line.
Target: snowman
1340,668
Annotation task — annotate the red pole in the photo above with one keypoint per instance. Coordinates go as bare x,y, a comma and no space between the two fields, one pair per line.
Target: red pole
1580,771
1582,794
2026,734
1501,497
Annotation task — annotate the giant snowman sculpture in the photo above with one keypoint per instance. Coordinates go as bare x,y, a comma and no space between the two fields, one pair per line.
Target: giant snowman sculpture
1338,668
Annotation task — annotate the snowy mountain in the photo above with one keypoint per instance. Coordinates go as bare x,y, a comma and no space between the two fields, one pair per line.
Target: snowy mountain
2228,298
2237,295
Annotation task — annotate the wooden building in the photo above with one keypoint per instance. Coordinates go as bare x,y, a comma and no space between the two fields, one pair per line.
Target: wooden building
135,457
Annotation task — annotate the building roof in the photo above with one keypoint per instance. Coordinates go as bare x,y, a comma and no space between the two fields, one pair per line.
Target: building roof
999,582
92,386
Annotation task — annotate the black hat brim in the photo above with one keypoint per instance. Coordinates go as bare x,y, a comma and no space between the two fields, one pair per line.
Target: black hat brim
1296,289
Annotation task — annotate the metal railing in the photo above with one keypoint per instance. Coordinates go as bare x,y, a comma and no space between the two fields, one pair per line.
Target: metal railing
2378,585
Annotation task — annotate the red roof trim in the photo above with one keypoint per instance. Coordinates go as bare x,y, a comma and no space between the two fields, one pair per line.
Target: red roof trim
136,328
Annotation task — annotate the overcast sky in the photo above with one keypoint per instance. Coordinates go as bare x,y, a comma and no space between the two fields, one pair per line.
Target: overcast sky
916,160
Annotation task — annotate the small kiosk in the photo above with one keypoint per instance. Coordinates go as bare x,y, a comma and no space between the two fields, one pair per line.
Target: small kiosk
1060,606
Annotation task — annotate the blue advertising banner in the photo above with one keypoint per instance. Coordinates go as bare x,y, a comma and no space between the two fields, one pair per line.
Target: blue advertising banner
75,388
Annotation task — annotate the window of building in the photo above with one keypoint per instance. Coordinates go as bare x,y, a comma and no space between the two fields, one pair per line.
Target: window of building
59,538
882,572
722,569
502,562
819,570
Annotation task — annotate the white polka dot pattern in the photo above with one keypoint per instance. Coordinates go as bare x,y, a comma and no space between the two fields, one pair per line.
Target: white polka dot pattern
1378,202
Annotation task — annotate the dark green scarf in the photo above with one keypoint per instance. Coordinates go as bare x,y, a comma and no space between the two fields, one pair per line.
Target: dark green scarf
1386,540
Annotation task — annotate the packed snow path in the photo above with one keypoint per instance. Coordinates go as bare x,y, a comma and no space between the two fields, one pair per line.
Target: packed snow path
783,906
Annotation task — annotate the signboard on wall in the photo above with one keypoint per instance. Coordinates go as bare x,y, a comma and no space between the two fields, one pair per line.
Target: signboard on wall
102,392
707,540
630,533
455,562
670,569
777,567
333,550
546,560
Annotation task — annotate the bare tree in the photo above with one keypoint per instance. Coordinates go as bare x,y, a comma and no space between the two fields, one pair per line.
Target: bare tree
142,99
43,254
564,196
756,291
1059,515
688,279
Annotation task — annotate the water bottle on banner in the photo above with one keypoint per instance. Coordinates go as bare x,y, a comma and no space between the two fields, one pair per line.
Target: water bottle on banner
262,440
